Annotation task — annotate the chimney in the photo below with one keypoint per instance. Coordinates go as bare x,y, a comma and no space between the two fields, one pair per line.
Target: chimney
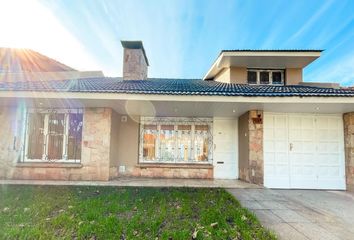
135,62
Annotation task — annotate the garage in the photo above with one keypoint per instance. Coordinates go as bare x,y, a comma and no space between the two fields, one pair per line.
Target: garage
304,151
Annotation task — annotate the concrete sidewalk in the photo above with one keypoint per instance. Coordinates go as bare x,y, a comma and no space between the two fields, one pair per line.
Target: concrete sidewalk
302,214
142,182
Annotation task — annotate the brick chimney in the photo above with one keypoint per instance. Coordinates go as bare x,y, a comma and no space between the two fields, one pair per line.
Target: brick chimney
135,62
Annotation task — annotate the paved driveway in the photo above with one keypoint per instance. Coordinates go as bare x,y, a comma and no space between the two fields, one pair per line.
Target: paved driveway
302,214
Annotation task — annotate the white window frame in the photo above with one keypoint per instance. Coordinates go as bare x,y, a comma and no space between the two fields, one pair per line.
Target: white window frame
270,72
175,121
44,158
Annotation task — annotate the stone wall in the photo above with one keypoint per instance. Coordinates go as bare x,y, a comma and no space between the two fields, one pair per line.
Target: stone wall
251,147
107,143
9,149
134,65
95,155
170,171
348,119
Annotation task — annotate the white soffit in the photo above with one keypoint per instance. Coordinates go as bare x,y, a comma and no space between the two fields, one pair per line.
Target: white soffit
263,59
193,107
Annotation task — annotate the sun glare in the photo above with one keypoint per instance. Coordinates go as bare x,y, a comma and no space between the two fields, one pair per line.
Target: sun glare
28,24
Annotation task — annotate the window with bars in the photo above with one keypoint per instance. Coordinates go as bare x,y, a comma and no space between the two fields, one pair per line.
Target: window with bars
175,140
53,135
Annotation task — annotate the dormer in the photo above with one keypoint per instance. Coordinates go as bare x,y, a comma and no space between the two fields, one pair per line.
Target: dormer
261,67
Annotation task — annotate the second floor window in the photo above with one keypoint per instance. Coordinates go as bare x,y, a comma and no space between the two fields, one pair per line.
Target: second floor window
265,76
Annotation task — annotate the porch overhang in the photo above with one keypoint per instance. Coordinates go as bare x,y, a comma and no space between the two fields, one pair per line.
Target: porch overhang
181,105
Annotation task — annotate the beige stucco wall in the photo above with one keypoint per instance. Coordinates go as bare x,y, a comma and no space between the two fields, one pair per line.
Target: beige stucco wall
113,155
232,75
223,76
293,76
127,147
128,144
238,75
95,153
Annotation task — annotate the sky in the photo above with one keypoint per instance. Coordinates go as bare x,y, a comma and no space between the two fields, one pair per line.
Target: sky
182,38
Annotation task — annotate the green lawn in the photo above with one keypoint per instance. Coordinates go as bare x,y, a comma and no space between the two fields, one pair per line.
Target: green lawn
58,212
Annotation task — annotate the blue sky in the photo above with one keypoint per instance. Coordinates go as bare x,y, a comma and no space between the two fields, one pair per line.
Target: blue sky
182,38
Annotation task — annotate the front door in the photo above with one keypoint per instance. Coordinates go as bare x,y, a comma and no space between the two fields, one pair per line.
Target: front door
225,148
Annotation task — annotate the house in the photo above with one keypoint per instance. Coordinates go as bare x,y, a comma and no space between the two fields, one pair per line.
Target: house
252,117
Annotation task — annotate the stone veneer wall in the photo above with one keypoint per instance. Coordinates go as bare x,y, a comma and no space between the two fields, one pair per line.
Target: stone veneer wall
95,156
134,65
172,171
251,147
348,119
8,151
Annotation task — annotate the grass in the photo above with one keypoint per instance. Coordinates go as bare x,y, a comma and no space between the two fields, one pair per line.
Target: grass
70,212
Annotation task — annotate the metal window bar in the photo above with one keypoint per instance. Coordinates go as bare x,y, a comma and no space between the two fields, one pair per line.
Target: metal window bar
54,148
176,121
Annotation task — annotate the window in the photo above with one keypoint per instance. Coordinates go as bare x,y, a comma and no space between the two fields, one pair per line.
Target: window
201,143
167,142
149,142
265,76
184,142
175,140
252,77
53,135
277,77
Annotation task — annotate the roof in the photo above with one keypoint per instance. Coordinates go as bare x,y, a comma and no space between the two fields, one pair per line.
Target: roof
173,87
262,58
135,45
15,60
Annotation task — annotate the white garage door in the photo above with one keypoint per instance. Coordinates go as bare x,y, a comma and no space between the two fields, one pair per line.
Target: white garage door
303,151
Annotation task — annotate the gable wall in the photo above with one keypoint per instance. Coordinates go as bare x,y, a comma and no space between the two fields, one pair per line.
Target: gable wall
238,75
293,76
223,76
